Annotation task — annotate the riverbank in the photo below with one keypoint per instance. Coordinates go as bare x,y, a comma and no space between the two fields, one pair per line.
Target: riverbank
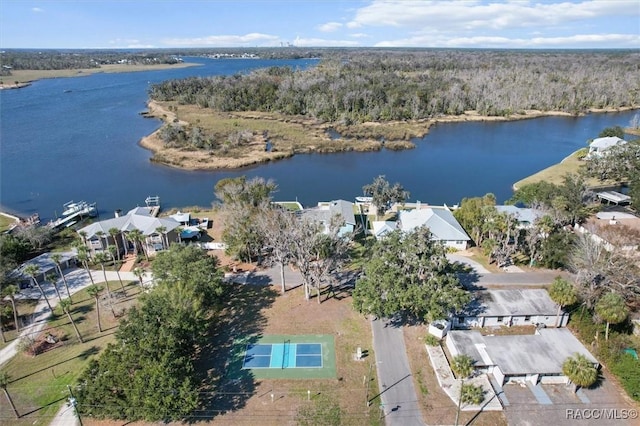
275,136
23,78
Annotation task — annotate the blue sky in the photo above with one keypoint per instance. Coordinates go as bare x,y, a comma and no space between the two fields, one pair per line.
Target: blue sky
304,23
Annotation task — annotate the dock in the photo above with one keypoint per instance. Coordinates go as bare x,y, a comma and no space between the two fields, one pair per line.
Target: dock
74,212
154,204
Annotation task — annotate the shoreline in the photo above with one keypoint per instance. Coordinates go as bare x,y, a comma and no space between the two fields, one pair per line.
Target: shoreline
176,158
24,78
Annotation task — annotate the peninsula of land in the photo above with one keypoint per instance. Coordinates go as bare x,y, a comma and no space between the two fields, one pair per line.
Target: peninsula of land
23,78
238,139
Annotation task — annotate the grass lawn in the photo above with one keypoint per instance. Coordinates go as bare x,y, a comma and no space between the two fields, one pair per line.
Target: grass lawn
38,384
5,222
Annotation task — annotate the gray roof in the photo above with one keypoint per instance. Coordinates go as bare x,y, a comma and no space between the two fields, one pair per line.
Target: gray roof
606,142
440,222
541,353
498,303
138,218
522,215
44,262
325,211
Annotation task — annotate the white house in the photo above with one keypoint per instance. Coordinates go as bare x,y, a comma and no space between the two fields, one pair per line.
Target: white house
509,307
440,221
599,146
381,228
534,358
526,217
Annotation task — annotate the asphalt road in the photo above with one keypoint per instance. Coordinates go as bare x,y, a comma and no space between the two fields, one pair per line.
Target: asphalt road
397,393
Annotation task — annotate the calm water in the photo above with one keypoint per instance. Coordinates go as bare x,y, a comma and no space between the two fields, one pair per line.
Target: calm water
76,139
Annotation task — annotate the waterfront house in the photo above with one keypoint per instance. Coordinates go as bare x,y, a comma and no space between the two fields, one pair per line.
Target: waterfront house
526,217
157,232
599,146
510,307
325,211
443,225
382,228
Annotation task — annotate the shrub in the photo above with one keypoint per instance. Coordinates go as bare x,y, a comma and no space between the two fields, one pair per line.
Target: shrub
431,340
472,394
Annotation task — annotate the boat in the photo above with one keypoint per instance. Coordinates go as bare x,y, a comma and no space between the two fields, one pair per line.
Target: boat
74,212
364,199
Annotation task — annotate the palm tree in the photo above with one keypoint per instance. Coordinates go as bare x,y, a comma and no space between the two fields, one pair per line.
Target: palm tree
83,235
112,251
65,304
100,234
83,257
94,291
137,237
139,272
33,271
4,381
10,291
563,293
462,365
612,309
102,259
114,234
56,257
162,230
580,371
52,278
4,339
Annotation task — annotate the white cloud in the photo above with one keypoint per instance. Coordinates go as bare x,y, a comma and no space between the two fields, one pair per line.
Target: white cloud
574,41
319,42
253,39
330,27
475,15
359,35
37,10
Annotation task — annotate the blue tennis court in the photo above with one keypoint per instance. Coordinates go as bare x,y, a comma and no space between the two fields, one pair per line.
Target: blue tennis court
283,355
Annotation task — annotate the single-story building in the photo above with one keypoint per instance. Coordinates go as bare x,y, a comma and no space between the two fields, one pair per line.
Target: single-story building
98,238
45,265
440,221
509,307
381,228
526,217
533,358
325,211
599,146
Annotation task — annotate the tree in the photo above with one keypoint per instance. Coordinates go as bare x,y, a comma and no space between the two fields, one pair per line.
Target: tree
384,195
53,278
580,371
101,258
162,230
4,381
114,232
611,308
83,257
278,227
408,275
33,271
472,215
612,131
462,365
94,291
318,257
57,258
563,293
116,266
65,305
10,291
139,273
244,201
137,237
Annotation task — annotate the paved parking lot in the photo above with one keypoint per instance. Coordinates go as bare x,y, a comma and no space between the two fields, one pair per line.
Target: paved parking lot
602,406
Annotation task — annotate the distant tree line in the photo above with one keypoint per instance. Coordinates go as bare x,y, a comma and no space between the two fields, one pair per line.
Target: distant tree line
75,59
383,85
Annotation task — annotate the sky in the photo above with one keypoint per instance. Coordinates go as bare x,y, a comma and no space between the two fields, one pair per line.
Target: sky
509,24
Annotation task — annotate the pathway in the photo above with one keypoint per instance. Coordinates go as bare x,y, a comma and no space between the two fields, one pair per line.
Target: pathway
397,397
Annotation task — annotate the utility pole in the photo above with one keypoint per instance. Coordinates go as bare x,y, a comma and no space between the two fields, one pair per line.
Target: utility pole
74,403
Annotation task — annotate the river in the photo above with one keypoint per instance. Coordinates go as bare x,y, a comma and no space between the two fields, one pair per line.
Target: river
77,139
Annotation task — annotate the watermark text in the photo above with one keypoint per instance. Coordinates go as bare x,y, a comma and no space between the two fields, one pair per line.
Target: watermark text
601,413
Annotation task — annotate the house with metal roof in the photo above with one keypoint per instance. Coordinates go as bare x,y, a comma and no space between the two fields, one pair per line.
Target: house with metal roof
599,146
325,211
443,225
526,217
45,266
98,238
